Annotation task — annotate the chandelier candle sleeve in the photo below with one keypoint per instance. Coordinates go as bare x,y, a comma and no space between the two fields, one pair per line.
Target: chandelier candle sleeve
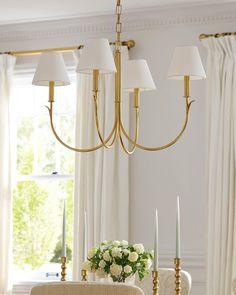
95,81
136,98
63,251
177,229
51,91
156,245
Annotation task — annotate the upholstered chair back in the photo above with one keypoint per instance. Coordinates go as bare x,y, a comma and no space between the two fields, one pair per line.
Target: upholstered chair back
85,288
166,283
234,286
166,286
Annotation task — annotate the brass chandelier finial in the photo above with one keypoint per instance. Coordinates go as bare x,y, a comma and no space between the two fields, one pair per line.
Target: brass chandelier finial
186,64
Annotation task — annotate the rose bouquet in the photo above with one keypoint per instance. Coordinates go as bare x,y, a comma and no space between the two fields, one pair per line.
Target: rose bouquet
119,260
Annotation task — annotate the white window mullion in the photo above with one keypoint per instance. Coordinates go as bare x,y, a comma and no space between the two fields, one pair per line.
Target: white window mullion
57,147
44,177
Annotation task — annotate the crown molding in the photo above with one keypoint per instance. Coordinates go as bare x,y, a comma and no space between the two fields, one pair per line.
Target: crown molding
150,18
162,5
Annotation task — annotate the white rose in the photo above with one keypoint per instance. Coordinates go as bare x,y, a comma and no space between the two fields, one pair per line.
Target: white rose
86,265
127,269
124,243
126,252
102,264
116,243
148,263
106,256
115,270
116,252
133,256
105,242
92,252
139,248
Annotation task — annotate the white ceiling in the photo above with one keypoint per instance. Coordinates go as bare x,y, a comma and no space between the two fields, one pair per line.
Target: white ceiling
18,11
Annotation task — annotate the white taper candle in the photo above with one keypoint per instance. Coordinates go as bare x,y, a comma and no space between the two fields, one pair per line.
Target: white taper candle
156,245
63,251
85,238
177,229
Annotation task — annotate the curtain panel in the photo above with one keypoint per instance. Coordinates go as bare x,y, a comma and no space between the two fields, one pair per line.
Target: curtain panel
6,73
221,139
101,177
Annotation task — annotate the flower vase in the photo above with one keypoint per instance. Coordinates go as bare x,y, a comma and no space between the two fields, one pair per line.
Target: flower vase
108,279
129,281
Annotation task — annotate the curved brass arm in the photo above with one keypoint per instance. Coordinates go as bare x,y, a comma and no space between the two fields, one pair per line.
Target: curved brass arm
108,146
188,105
134,142
86,150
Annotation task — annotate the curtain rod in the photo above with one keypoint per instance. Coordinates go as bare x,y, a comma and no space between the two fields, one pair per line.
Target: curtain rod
130,44
217,35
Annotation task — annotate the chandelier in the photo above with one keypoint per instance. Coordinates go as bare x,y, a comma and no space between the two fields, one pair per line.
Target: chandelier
134,76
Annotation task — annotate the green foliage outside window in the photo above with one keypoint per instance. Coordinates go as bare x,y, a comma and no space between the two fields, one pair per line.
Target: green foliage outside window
37,218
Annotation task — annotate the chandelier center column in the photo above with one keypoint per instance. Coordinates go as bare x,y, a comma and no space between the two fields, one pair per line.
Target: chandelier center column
118,63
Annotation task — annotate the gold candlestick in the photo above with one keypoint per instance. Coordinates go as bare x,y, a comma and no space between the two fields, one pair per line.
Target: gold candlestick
177,276
155,282
63,268
84,275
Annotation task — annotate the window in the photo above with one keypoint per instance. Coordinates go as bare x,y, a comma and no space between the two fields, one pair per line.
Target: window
45,177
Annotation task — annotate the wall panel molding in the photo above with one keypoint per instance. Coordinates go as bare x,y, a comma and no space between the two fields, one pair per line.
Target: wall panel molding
193,261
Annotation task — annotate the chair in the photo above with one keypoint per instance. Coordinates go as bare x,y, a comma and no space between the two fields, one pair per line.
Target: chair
85,288
234,286
166,282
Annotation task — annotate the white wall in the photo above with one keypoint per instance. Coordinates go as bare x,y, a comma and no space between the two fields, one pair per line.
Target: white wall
156,177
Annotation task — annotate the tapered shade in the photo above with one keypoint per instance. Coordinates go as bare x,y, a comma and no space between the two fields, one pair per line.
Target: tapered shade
186,61
136,74
96,55
51,67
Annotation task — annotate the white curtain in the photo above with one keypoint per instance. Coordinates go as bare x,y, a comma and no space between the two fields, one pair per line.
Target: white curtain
101,177
221,117
6,72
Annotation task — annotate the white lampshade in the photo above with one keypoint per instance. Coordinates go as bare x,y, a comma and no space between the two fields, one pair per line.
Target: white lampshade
51,67
96,55
136,74
186,61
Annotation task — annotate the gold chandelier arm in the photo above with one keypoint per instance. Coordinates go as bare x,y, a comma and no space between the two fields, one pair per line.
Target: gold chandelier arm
104,143
188,105
134,142
83,150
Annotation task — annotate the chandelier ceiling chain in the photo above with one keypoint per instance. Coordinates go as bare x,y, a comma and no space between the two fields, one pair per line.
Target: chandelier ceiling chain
97,59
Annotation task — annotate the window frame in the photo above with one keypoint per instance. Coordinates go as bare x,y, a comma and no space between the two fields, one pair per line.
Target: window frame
23,287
